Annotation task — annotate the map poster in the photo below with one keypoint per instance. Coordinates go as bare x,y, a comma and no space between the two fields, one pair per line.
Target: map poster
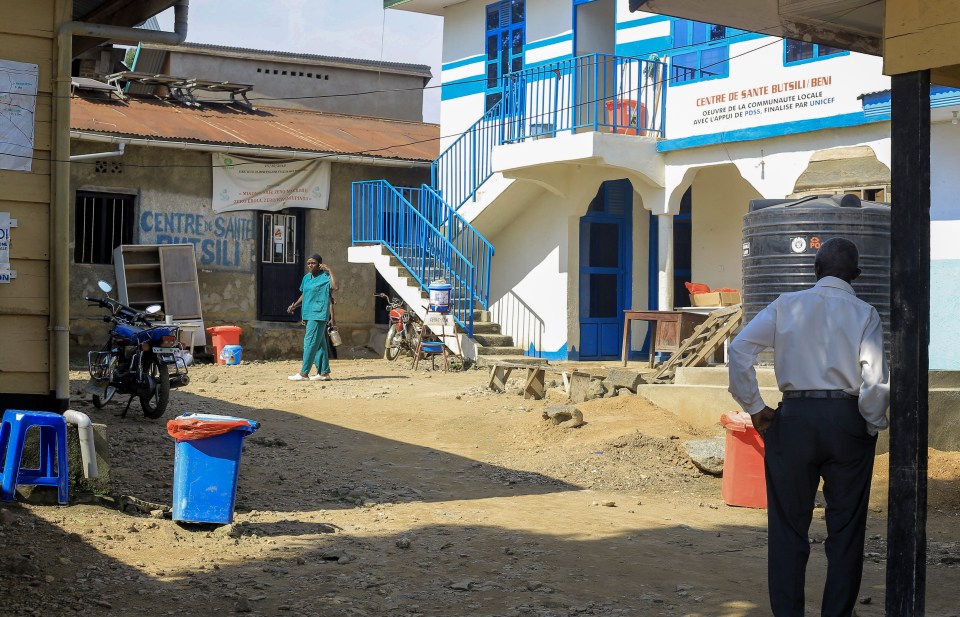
18,100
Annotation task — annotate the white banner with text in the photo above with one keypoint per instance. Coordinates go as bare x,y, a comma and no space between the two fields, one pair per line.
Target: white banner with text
241,183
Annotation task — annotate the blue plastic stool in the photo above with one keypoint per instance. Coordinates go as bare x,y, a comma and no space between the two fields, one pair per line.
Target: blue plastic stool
53,443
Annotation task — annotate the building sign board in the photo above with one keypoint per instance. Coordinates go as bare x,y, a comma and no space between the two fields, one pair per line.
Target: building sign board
241,183
752,96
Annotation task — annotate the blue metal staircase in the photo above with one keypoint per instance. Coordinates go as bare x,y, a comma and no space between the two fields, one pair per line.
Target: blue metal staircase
421,227
429,239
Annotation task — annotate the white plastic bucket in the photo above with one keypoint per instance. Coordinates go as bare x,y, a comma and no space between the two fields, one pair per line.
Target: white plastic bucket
440,296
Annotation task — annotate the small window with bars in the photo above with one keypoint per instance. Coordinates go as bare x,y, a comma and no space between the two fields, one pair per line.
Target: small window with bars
103,221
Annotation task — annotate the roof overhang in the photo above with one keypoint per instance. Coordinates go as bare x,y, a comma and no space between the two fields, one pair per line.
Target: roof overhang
126,13
910,35
429,7
849,24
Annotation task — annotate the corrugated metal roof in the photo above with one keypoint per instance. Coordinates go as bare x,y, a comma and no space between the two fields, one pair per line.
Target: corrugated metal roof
283,129
420,70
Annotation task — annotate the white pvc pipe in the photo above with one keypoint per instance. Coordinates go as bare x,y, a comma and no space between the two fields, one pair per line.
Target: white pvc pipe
88,451
99,155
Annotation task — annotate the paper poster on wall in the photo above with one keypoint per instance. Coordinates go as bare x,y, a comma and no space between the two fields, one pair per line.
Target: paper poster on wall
241,183
5,224
18,100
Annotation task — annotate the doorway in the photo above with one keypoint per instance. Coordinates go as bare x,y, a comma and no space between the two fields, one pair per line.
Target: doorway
280,263
594,32
605,270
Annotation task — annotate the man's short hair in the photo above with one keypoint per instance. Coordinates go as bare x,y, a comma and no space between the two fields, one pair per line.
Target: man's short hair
316,257
838,257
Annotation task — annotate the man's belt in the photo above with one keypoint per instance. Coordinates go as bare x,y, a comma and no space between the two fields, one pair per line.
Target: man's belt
840,394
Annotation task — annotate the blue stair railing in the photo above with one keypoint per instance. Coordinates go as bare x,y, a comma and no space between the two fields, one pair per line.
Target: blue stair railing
466,164
462,235
383,214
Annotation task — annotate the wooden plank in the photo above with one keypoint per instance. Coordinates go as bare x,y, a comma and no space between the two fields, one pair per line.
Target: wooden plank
534,387
499,374
24,383
920,35
29,293
181,291
35,19
33,187
26,345
910,337
30,239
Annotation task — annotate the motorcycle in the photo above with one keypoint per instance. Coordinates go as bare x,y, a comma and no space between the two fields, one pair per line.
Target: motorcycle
404,332
141,358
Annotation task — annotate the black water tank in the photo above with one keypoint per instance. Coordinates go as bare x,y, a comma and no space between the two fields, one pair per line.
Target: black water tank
781,238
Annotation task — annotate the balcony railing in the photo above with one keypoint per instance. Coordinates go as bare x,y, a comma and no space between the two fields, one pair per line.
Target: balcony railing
596,92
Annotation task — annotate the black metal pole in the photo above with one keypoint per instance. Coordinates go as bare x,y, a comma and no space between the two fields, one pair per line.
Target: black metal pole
910,325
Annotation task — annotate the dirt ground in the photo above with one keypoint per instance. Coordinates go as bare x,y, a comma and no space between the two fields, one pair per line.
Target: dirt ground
389,492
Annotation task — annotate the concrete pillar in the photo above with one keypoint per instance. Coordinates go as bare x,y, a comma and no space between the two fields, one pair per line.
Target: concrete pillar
665,261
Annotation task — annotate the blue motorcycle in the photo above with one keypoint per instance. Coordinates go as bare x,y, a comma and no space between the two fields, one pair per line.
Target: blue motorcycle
141,358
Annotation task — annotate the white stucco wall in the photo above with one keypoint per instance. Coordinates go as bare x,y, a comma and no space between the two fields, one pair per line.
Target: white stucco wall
720,200
535,279
944,246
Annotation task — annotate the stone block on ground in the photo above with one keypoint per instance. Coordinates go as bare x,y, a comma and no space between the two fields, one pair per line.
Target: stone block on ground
623,378
596,389
566,416
706,454
579,387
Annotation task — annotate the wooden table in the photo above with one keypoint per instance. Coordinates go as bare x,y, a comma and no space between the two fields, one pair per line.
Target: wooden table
667,330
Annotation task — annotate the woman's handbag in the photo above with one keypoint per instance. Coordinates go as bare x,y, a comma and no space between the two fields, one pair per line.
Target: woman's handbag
334,336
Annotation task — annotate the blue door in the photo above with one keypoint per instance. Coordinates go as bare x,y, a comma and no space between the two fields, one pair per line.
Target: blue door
605,272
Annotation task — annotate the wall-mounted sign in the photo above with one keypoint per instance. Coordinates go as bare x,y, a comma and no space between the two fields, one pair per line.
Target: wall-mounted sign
5,224
18,100
241,183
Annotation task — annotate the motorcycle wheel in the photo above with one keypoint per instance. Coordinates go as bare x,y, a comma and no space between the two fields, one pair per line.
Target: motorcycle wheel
413,335
155,405
391,345
100,403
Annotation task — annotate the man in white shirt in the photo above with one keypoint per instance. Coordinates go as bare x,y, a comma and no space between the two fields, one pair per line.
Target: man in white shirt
830,366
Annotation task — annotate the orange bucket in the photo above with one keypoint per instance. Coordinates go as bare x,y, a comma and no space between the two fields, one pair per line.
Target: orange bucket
744,481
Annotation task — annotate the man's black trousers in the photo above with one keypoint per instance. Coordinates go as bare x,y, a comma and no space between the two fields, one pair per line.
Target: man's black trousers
810,439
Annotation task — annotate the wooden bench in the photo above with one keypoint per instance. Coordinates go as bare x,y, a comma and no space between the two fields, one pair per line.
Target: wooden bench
534,385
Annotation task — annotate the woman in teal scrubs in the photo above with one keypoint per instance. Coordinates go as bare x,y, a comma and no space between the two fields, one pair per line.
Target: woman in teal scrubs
315,313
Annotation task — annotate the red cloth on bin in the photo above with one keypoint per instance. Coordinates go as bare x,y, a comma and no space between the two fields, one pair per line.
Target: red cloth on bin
191,429
727,290
697,288
736,420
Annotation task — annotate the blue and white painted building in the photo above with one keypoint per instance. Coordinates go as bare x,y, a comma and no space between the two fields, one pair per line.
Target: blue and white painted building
607,156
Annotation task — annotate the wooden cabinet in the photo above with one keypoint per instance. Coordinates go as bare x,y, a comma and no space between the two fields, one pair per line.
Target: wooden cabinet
164,274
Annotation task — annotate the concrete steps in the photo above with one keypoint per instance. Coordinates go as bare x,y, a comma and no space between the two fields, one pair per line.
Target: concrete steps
487,339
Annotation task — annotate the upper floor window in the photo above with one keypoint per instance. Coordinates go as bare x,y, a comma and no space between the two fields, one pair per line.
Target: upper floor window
506,21
795,51
701,52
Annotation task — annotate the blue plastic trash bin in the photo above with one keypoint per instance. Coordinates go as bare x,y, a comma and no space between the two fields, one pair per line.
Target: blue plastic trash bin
205,473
